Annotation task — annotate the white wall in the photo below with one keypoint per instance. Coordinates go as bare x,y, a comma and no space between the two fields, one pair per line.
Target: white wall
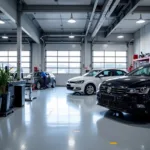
13,47
36,56
142,40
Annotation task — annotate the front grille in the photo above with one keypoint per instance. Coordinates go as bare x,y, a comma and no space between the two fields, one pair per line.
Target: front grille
114,102
114,90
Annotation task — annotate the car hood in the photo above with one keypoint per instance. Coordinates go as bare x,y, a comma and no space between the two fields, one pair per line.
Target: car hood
80,78
127,81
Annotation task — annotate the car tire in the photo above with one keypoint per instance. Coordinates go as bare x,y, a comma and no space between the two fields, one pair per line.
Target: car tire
89,89
53,84
38,85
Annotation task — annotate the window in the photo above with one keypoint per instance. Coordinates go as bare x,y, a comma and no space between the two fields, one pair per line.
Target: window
141,71
92,73
10,58
109,59
106,73
63,62
119,73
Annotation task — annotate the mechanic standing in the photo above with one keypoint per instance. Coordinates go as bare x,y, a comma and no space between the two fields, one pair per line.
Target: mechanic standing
43,75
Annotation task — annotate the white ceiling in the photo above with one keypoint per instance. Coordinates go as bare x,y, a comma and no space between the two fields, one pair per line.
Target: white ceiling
61,2
128,25
145,3
8,27
54,22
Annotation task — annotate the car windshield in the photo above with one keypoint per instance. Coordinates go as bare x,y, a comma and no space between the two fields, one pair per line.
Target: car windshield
141,71
92,73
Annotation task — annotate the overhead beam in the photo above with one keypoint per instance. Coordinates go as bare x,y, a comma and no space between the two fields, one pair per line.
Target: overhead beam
59,8
9,7
129,9
142,9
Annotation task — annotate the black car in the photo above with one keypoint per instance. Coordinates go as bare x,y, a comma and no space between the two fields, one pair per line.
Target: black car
130,93
39,81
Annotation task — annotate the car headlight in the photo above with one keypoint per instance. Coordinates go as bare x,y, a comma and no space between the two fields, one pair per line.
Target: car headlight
79,82
140,90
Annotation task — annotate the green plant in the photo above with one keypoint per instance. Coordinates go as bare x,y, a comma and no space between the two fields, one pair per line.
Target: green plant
4,79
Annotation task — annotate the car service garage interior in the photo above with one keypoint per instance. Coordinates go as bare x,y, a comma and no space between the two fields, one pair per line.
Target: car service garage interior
74,74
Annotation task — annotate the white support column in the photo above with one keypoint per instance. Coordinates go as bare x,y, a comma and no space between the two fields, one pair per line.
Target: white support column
86,56
43,56
19,38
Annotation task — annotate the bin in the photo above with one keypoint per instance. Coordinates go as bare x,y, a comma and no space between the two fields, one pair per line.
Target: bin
19,93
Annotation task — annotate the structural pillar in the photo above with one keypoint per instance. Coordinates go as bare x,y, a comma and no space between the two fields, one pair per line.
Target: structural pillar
84,48
43,51
19,38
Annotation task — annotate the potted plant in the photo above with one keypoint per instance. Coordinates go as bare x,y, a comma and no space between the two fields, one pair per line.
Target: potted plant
5,95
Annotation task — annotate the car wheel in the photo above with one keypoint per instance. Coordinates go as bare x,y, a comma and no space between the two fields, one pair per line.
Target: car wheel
89,89
38,85
54,84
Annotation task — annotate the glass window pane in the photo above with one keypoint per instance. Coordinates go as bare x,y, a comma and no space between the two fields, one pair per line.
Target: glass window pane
118,53
74,65
25,59
26,70
51,53
74,71
12,53
109,53
98,59
74,59
13,65
12,59
74,53
63,65
121,59
25,53
51,59
3,59
121,65
98,53
3,53
54,65
51,70
62,59
62,70
110,65
109,59
98,65
63,53
25,65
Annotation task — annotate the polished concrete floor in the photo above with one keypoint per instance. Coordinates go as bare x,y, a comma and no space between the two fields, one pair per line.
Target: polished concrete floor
59,120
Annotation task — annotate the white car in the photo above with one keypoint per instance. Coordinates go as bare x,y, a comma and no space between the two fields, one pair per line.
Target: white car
88,83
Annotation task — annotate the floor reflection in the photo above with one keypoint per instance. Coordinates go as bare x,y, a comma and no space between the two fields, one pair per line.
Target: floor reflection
60,113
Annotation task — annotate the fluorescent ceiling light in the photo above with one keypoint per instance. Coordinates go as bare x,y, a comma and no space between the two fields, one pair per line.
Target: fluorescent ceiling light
2,22
4,37
141,20
71,20
120,36
71,36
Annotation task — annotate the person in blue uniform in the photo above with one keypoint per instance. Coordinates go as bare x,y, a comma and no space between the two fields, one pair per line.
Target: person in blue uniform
43,75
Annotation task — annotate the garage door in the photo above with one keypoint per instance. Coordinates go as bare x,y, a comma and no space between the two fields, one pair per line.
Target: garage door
109,56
